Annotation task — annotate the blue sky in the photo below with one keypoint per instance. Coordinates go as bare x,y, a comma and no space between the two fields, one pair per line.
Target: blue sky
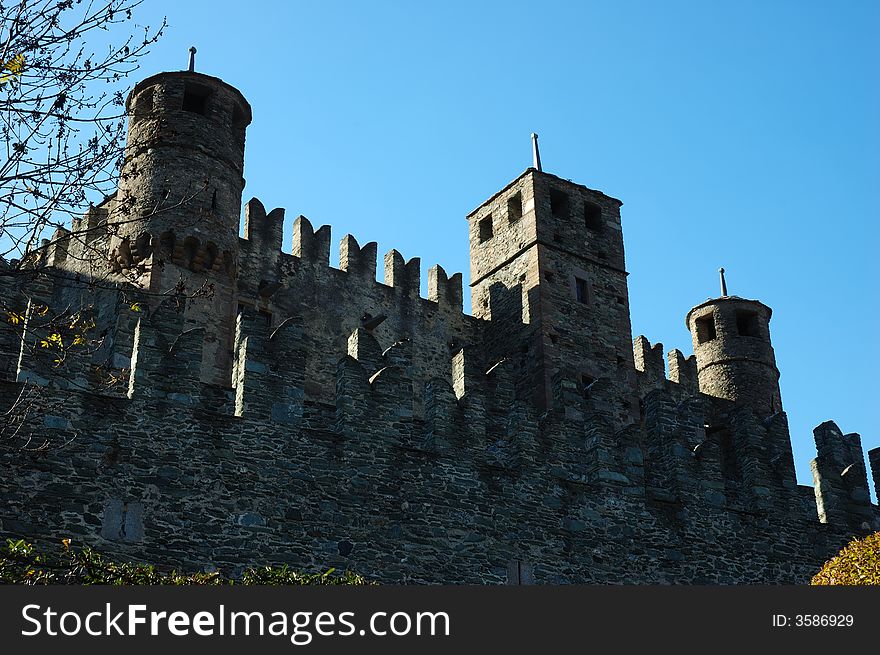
738,134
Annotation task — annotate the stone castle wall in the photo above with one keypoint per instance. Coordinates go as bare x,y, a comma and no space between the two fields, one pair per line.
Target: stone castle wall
472,486
299,413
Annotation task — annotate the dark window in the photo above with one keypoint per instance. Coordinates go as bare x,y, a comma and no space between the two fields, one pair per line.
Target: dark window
586,383
730,466
559,203
747,323
514,207
266,316
195,99
548,275
705,328
238,118
593,216
190,250
143,105
143,246
486,228
211,253
581,293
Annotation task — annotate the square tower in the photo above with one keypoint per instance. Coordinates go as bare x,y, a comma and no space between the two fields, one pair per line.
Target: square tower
547,271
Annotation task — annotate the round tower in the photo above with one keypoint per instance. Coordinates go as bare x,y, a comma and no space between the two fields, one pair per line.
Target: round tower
735,359
180,187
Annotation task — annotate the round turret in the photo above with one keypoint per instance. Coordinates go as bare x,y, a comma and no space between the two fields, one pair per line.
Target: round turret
180,187
735,359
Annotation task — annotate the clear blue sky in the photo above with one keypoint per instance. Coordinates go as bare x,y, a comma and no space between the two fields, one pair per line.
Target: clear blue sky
741,134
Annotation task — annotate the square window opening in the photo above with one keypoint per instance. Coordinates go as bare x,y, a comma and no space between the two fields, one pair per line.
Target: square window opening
559,203
747,323
195,99
593,216
486,232
705,328
514,207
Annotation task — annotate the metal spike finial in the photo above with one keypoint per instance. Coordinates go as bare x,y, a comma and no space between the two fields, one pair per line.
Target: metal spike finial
192,58
723,282
536,156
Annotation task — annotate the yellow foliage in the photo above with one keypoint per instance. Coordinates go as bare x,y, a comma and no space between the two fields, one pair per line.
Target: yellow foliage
52,341
15,66
857,564
14,318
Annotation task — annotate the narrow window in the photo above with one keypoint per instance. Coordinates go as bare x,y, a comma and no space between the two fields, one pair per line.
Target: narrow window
514,207
558,203
143,105
486,228
167,241
747,323
190,251
195,99
238,121
730,466
211,253
705,328
580,290
586,383
593,216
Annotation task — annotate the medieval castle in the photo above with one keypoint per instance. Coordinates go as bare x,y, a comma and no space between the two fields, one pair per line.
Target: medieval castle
311,415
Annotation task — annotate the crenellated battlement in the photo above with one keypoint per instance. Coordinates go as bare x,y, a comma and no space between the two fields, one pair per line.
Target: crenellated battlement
356,259
840,478
263,257
650,364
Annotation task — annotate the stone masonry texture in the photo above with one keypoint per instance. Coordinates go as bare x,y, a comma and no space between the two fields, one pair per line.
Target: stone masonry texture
314,416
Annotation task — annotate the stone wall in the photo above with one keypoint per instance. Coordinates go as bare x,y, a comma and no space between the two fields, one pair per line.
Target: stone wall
479,482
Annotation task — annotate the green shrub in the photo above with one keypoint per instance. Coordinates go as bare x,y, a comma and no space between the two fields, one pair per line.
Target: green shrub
857,564
21,563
